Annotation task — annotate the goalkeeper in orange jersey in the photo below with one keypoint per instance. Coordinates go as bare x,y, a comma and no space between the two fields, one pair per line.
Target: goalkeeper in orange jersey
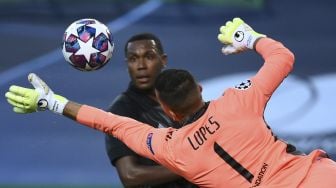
223,143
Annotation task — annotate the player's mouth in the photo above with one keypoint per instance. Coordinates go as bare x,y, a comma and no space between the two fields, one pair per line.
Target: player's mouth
143,79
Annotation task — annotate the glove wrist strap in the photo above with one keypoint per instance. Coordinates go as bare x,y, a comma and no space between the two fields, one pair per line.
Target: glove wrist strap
57,106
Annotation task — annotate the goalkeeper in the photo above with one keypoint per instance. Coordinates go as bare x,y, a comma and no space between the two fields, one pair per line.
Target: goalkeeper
223,143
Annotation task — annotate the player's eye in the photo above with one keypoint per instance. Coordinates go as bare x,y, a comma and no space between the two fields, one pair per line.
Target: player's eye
131,59
150,57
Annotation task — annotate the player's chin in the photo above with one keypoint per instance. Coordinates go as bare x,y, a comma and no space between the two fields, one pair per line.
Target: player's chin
144,85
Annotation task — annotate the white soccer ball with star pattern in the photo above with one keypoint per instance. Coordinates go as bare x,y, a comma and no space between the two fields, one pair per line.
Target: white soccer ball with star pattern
87,44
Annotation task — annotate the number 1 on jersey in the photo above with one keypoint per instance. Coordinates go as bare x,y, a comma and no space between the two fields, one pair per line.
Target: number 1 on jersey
233,163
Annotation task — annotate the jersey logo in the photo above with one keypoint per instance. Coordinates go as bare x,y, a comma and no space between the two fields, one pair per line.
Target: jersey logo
244,85
42,104
239,36
149,142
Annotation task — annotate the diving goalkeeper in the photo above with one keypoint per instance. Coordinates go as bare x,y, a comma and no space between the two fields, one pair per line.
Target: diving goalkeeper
223,143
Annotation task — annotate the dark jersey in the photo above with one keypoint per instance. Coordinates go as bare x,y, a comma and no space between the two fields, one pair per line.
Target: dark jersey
138,105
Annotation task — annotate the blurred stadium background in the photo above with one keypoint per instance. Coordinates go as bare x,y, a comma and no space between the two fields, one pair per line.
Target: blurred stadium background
43,150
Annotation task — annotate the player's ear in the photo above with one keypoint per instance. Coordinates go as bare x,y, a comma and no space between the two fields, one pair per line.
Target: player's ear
164,59
166,108
172,115
168,111
126,62
200,88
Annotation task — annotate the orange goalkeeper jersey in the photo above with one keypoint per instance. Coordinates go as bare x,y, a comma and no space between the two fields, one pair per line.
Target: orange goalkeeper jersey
230,145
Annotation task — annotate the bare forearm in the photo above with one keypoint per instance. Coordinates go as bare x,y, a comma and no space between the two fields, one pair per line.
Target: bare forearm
71,110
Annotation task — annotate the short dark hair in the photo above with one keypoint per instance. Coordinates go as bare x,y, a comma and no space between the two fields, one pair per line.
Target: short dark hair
176,88
145,36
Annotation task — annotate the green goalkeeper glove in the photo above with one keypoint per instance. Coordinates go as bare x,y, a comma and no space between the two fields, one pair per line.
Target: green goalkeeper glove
237,36
25,100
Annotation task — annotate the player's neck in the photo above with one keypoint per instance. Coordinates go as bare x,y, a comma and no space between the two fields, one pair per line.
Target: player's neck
152,95
199,105
198,110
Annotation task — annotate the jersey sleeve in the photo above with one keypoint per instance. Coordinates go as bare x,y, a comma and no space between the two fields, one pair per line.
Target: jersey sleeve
144,139
254,94
278,64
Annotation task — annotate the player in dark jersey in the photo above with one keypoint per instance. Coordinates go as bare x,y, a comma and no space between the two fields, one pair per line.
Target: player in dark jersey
145,58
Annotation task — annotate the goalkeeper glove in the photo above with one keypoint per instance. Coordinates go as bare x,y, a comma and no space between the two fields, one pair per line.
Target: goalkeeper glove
25,100
237,36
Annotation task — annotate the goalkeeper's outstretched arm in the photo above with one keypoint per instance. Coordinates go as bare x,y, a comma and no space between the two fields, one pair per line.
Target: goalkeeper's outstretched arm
26,100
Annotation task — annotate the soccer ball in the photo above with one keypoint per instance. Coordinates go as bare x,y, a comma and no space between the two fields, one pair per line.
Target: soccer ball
87,44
